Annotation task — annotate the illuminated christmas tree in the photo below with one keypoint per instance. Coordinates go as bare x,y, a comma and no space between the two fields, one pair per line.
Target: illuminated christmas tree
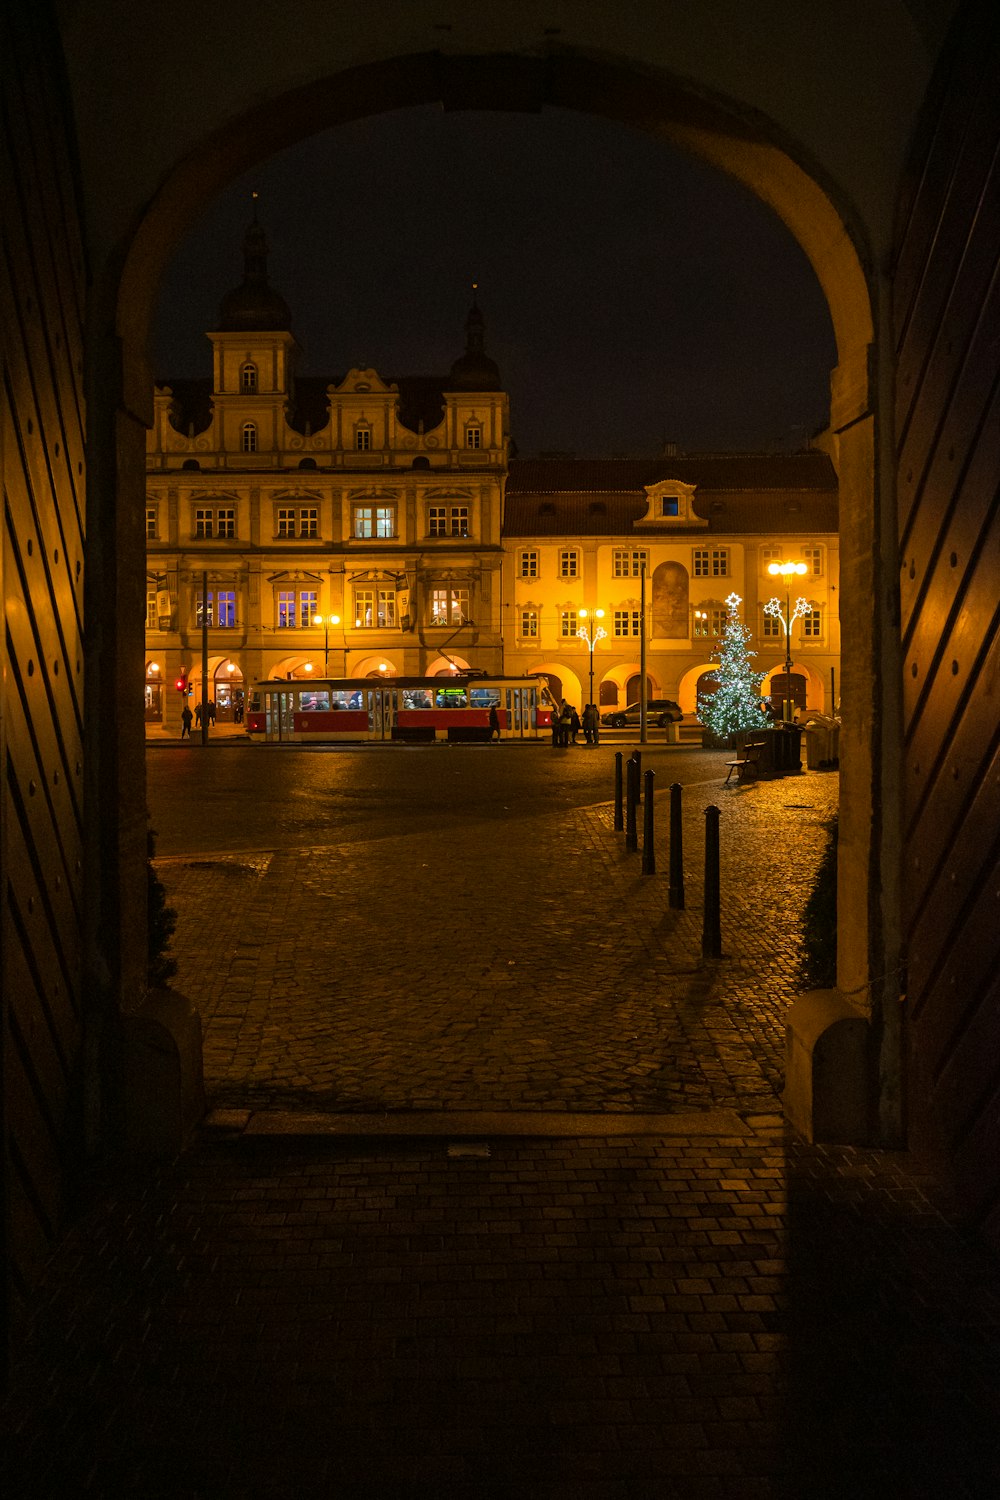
736,704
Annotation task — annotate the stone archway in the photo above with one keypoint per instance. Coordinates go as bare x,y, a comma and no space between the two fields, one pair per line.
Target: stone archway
825,229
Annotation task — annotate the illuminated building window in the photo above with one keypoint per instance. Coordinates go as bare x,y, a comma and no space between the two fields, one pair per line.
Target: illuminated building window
812,625
813,559
629,563
248,378
151,523
307,607
249,437
719,621
628,622
569,624
375,521
473,435
527,565
449,606
296,610
529,624
152,619
362,439
711,562
225,601
204,610
669,505
700,626
374,608
569,564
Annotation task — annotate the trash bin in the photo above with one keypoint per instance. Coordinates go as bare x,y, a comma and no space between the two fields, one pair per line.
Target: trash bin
817,746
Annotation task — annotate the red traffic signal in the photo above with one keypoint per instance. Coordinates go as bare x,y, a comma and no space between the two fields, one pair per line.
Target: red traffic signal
181,684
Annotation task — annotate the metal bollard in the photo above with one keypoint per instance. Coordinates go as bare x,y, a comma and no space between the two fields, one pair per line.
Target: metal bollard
675,897
619,818
711,932
648,844
631,797
637,757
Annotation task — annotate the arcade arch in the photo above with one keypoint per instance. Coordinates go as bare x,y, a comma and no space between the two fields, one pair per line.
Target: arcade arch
820,218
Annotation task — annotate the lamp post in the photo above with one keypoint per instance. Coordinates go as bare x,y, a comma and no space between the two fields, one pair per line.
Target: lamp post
591,633
787,571
326,621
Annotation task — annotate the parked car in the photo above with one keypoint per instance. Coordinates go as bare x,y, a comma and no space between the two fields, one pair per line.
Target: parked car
659,711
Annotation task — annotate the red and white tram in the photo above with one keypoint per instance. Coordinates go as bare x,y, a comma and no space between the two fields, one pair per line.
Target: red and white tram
415,709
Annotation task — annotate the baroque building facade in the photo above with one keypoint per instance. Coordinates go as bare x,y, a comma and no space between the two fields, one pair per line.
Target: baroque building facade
370,526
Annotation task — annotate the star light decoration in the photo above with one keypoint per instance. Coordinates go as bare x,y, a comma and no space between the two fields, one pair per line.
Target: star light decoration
773,607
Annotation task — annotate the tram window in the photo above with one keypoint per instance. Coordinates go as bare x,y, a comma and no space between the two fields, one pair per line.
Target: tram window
416,698
452,698
316,702
340,699
484,697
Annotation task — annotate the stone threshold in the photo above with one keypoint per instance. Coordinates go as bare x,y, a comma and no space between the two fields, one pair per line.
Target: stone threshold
463,1124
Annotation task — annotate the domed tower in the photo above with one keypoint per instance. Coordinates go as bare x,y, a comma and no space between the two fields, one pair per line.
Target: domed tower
477,423
254,355
474,371
254,306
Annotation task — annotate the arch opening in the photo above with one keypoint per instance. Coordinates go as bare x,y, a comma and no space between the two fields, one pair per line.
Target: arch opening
710,129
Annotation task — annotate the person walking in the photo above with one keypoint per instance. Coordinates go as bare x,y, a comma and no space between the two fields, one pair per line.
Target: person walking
211,711
565,720
186,717
574,725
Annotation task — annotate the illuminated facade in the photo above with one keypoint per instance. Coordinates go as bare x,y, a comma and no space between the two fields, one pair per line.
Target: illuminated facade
580,533
363,525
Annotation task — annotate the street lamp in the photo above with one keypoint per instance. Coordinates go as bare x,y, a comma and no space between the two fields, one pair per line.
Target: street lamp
326,621
787,571
591,634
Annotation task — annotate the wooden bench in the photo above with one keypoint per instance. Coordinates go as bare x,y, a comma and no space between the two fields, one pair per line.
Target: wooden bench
747,765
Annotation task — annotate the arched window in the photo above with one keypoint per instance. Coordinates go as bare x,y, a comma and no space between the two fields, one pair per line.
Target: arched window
248,378
249,443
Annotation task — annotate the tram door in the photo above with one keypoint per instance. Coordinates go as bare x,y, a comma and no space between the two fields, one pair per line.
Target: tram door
379,714
279,710
519,715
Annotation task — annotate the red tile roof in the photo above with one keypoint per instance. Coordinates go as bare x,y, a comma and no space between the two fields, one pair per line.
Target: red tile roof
735,492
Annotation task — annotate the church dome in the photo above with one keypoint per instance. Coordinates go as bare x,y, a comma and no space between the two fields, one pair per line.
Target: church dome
254,306
474,371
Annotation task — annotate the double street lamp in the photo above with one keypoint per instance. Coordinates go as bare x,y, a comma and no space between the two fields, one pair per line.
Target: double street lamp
326,621
787,571
591,633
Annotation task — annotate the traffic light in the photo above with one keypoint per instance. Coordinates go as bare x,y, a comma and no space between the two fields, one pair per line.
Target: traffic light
181,684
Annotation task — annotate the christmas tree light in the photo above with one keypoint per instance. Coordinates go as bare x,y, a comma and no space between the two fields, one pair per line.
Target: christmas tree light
736,704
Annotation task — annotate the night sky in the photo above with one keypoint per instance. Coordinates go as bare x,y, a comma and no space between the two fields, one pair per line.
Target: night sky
631,294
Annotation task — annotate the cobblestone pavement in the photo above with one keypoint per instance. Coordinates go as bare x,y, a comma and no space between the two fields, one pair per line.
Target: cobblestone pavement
738,1318
714,1310
517,965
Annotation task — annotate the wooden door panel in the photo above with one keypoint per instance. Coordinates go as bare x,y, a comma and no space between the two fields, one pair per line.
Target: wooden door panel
947,311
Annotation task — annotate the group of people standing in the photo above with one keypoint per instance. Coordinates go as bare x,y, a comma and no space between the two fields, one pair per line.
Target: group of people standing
187,718
567,723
